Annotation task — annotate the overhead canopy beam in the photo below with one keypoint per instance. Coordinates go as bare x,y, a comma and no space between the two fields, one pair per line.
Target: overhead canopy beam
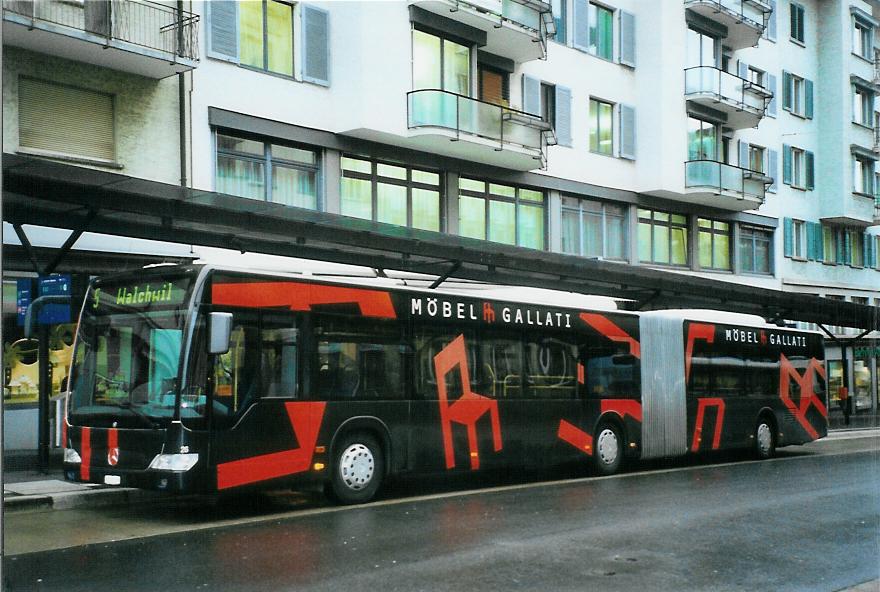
44,193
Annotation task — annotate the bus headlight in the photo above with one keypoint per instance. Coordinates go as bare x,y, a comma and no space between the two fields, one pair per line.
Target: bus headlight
71,456
174,462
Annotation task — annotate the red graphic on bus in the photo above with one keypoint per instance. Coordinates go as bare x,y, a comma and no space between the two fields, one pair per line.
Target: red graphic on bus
701,413
808,397
607,328
623,407
302,296
86,444
696,331
467,409
305,419
112,447
582,440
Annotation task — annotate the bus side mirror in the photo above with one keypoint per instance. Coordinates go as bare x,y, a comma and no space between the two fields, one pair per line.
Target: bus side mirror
219,331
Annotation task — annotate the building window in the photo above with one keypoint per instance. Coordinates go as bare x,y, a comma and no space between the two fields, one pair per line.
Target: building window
560,14
756,158
755,250
829,244
601,127
702,140
797,95
702,49
272,172
601,31
61,120
548,103
863,39
757,76
439,63
714,244
863,106
390,193
799,239
265,35
797,22
494,86
863,175
798,161
501,213
663,238
593,228
856,238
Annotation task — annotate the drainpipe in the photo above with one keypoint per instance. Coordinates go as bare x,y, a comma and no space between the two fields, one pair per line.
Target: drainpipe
181,96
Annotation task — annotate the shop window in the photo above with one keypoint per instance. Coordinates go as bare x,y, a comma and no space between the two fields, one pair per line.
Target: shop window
593,228
663,238
714,244
755,250
501,213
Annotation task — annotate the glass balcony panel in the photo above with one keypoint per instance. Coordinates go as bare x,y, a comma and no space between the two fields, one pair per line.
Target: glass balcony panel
480,119
521,14
731,178
702,173
432,108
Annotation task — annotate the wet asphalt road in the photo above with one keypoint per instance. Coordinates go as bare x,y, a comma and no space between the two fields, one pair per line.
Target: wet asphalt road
807,521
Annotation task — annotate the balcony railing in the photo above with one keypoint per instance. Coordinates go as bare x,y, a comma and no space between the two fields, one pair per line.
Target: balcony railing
141,23
729,93
745,20
508,23
877,208
722,178
508,127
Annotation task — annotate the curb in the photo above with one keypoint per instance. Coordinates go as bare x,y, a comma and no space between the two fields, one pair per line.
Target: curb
68,500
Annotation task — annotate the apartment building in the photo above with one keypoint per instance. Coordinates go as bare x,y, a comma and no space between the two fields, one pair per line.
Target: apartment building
731,139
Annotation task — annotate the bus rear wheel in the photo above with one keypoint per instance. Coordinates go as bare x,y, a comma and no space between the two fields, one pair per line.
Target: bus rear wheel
357,469
608,449
765,441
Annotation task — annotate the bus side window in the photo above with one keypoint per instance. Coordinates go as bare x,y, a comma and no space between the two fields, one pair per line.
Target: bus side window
551,368
428,345
237,372
498,370
278,357
610,371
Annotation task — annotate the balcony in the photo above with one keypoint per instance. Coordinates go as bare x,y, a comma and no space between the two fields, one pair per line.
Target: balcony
138,37
515,29
713,183
477,131
745,20
877,209
743,102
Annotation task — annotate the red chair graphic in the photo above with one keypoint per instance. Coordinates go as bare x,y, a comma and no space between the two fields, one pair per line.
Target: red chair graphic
467,409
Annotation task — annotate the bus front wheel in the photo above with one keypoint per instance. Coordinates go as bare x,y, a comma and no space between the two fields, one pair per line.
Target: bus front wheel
358,469
608,449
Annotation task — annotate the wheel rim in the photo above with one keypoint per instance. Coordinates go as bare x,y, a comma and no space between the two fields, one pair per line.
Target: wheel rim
765,438
607,446
357,466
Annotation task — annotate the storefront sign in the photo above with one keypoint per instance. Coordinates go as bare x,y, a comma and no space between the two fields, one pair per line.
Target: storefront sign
865,353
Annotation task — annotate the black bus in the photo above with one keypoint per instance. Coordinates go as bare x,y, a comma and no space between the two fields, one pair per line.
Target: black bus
202,379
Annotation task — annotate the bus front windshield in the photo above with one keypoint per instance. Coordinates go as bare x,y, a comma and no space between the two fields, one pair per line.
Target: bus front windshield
127,357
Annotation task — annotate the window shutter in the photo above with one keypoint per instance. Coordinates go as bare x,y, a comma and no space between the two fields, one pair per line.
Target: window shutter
316,45
627,128
786,90
820,242
771,86
531,89
847,247
808,99
808,160
786,164
814,243
787,237
868,250
743,154
771,25
581,26
840,256
627,38
773,169
65,120
743,70
223,30
563,116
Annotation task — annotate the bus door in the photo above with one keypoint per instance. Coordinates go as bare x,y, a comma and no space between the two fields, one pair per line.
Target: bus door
459,418
254,385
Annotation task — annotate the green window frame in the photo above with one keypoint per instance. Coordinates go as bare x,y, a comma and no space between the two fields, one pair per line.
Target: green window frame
856,241
392,193
265,33
258,169
594,228
502,213
797,12
755,250
714,243
601,127
601,32
663,238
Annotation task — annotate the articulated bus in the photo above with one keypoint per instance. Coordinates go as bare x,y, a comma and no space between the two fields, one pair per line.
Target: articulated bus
202,379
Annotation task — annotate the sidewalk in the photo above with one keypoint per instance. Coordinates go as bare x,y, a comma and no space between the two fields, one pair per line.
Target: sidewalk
30,489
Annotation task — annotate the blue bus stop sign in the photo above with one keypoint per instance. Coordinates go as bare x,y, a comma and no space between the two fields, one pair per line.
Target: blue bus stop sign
24,295
54,285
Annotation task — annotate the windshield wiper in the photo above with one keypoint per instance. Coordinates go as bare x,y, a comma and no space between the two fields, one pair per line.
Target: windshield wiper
138,413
